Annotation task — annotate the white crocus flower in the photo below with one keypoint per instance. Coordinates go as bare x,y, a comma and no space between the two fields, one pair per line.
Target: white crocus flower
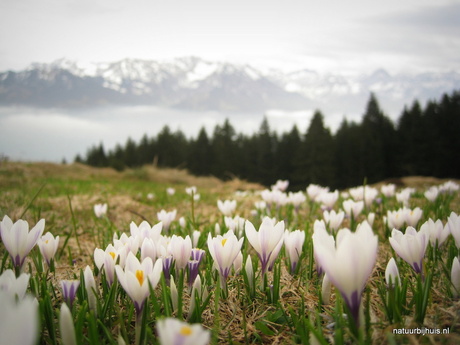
100,210
410,246
48,245
227,207
136,276
281,185
293,242
404,196
350,263
18,240
18,320
129,243
436,231
413,216
353,208
333,219
388,190
267,241
296,199
235,224
396,219
13,286
449,187
224,250
328,199
181,249
148,249
108,259
172,332
431,194
454,227
314,191
191,190
166,218
144,230
321,238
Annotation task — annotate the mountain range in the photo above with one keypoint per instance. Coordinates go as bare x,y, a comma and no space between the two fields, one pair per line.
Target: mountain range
192,83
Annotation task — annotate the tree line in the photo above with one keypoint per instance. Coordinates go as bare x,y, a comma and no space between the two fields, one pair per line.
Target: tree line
423,141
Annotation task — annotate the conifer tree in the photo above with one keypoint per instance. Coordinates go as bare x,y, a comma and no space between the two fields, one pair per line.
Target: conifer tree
225,151
316,161
377,144
200,157
287,153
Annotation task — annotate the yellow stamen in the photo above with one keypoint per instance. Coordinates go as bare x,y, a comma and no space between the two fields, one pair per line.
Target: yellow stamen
223,242
112,254
186,330
140,276
46,241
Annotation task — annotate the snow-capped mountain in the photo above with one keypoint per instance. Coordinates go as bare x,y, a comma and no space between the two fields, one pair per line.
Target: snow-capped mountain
196,84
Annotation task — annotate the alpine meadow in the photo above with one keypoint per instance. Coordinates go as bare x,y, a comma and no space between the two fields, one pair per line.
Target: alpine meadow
314,238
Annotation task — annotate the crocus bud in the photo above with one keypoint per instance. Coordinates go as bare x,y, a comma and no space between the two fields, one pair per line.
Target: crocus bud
326,290
196,291
249,271
90,286
392,274
454,227
69,290
455,277
238,263
66,326
174,294
195,238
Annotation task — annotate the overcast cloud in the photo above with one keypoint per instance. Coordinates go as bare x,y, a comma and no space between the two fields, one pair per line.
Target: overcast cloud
338,36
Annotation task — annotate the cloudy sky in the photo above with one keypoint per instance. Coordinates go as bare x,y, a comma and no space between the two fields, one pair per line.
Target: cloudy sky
331,35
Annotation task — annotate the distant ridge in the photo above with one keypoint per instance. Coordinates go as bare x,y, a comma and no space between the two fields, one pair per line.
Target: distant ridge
192,83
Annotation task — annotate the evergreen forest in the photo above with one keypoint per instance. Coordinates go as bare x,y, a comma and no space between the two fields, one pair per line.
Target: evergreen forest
423,141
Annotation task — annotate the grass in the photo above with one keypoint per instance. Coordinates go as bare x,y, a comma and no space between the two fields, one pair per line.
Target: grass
64,195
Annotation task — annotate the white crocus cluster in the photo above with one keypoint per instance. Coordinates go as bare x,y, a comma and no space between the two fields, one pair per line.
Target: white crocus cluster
364,193
398,218
314,191
157,254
